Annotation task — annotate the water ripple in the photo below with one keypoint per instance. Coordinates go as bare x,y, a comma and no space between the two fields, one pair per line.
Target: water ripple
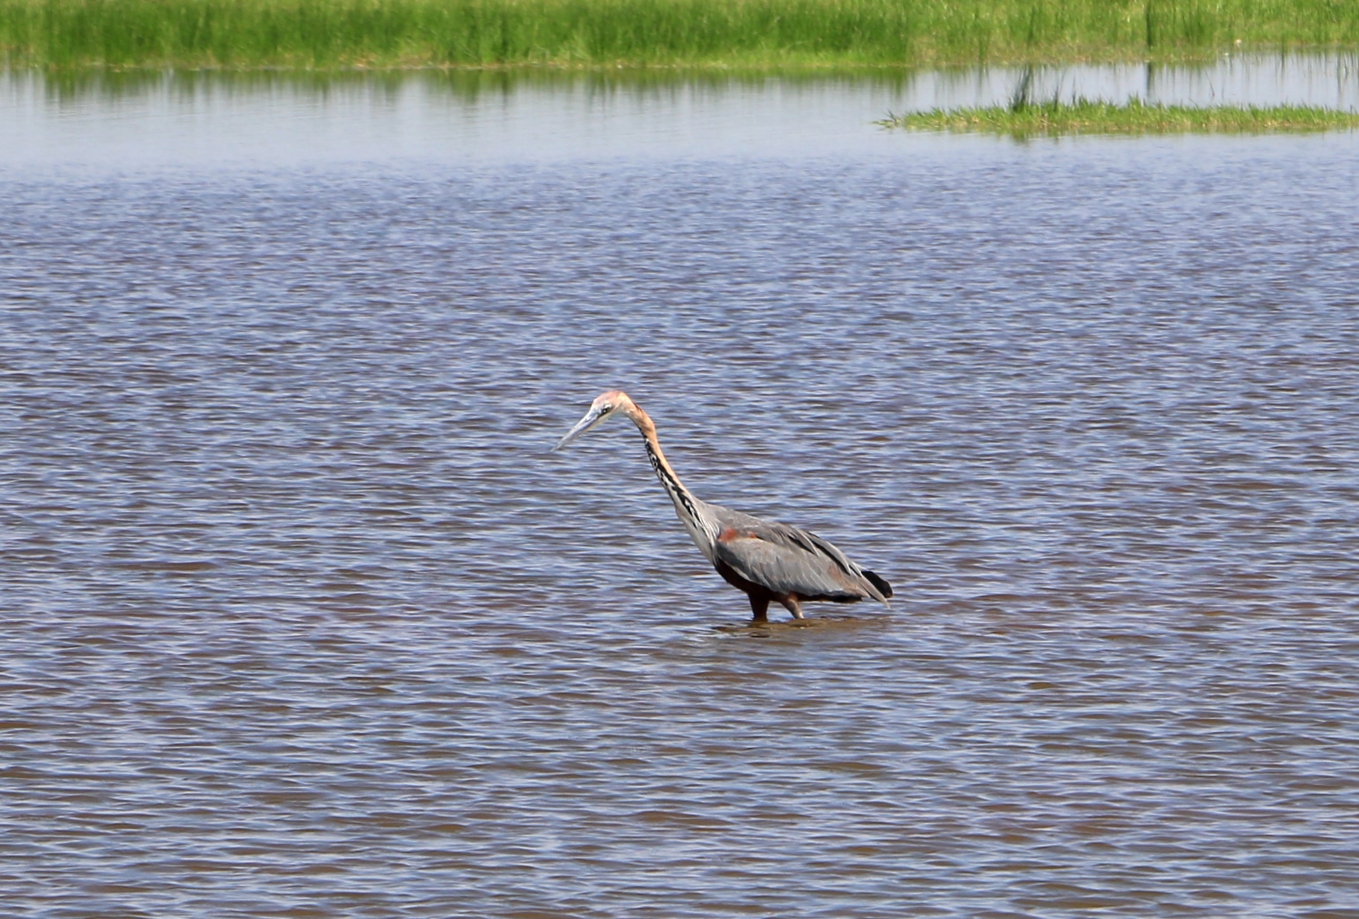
302,618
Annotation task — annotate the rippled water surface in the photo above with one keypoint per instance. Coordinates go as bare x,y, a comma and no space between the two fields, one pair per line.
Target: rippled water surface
301,617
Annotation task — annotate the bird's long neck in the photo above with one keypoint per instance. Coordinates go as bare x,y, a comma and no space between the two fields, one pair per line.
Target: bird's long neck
687,507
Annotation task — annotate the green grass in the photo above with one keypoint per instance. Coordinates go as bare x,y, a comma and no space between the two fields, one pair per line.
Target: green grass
760,34
1025,119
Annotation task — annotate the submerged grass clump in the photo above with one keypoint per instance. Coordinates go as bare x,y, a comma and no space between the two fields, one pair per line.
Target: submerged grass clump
246,34
1082,116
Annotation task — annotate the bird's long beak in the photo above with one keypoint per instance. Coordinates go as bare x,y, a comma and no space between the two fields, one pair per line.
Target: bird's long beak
592,418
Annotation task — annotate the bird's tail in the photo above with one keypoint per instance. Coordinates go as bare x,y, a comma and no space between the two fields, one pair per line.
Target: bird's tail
882,586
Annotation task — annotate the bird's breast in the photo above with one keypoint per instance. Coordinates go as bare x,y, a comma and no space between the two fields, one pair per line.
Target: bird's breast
701,539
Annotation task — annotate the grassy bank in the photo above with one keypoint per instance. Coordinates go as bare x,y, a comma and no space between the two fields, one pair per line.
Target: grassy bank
733,33
1083,117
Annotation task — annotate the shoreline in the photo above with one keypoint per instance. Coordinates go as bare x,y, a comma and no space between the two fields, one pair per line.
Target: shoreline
724,36
1134,118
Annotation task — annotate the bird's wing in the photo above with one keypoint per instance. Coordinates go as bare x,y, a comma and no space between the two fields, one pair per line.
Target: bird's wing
787,559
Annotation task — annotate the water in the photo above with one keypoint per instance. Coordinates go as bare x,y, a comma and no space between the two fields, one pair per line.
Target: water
139,121
302,617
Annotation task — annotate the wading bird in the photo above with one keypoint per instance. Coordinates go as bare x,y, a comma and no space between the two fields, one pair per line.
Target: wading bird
766,559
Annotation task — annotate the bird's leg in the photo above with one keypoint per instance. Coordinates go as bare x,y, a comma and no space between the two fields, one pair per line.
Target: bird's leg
759,607
791,604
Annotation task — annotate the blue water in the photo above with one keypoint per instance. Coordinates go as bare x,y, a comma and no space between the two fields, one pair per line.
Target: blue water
301,616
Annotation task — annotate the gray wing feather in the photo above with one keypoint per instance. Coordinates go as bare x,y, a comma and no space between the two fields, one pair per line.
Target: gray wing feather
787,559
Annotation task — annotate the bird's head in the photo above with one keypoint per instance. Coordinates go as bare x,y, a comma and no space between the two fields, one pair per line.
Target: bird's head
614,402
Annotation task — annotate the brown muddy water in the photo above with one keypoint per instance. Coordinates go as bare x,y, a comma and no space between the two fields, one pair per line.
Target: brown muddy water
302,618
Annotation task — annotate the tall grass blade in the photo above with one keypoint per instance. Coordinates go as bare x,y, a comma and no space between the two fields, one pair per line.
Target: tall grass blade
596,33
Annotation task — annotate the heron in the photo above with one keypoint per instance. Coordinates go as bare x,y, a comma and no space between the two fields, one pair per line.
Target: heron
766,559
